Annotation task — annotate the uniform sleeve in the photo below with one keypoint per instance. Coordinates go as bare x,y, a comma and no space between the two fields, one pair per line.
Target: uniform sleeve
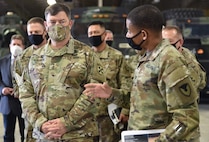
84,107
121,95
181,100
17,73
28,101
198,74
203,77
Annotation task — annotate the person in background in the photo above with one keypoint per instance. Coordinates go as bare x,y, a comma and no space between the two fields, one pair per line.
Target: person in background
51,87
10,105
116,76
37,36
198,74
109,37
163,95
133,60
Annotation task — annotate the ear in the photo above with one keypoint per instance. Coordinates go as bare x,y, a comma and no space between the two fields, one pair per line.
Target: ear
71,23
45,24
144,34
181,42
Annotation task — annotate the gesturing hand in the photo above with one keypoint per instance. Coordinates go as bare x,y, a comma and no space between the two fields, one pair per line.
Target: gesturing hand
97,90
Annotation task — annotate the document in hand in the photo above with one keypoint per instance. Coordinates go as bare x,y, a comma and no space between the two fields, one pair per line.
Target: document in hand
141,135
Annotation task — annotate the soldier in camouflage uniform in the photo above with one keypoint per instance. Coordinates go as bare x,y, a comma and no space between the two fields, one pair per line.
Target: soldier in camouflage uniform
37,36
116,76
198,74
52,85
163,95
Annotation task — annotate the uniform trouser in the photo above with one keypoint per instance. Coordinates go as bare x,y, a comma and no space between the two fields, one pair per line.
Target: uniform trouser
9,125
29,132
86,139
106,130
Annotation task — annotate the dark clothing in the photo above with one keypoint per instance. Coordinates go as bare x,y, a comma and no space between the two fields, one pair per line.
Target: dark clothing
10,106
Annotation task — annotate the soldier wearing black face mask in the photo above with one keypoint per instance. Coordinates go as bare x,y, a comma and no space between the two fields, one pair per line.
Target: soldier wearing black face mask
109,37
117,76
160,98
37,36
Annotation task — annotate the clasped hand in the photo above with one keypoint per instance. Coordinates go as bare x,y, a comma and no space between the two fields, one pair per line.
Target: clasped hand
53,129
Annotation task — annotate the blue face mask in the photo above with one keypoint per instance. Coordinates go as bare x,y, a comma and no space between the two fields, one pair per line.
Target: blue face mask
134,45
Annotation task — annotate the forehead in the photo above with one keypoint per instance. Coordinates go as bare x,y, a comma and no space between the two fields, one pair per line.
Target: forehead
130,26
59,16
16,41
109,34
35,26
169,33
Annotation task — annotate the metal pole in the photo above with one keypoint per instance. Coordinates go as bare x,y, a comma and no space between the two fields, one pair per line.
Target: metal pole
100,3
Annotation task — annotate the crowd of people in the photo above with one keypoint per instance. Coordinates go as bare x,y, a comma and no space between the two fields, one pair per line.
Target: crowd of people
60,88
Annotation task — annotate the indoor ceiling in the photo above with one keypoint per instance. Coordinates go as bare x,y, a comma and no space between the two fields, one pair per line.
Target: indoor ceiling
30,8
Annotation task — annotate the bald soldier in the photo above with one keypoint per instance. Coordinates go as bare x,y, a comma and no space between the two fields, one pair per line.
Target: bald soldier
198,74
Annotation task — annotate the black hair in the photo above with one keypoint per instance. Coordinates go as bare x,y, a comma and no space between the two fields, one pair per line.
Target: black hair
147,16
56,8
102,25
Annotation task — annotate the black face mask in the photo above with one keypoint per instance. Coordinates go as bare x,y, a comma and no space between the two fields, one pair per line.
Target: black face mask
132,44
35,39
95,40
109,42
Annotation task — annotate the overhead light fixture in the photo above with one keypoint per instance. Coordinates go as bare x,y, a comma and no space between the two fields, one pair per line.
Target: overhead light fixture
50,2
10,13
155,1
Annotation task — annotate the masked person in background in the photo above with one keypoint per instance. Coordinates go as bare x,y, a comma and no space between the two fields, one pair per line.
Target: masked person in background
37,36
162,95
117,77
109,37
198,74
10,105
52,85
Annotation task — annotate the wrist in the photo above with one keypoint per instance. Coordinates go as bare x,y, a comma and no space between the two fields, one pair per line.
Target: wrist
3,91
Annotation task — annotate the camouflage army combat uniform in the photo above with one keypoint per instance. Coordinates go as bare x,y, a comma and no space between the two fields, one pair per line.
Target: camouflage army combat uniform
198,74
20,64
52,88
117,76
133,61
163,96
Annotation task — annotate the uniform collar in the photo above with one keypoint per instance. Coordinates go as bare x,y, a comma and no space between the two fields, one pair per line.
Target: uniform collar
104,53
68,48
153,54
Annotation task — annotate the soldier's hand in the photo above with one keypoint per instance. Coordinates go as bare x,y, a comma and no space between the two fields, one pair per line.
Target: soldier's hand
123,118
97,90
152,139
56,129
44,127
